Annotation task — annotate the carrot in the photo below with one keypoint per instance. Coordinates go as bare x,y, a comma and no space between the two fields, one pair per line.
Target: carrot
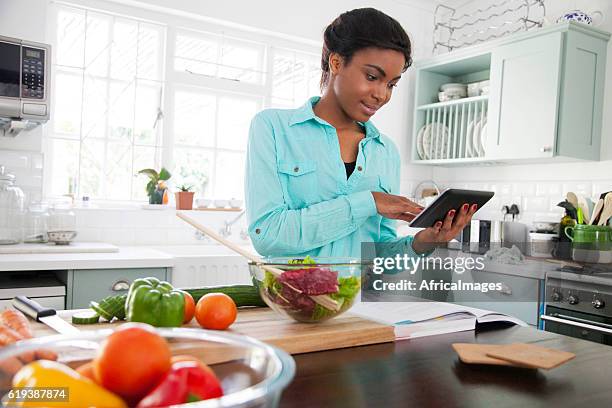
46,354
16,321
8,335
10,366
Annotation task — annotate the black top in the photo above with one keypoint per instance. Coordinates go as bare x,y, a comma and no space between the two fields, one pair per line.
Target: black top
350,167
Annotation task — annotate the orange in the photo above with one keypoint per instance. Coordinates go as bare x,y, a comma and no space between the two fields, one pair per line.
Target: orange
216,311
189,308
132,361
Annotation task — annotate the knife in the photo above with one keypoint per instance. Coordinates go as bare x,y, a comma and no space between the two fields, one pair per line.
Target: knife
44,315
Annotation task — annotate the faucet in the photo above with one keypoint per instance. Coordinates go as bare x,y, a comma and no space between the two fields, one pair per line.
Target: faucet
226,231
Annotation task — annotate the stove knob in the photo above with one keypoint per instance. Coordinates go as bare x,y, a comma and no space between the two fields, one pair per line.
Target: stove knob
598,303
556,297
573,300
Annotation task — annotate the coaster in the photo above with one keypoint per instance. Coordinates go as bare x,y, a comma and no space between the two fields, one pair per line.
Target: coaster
531,355
473,353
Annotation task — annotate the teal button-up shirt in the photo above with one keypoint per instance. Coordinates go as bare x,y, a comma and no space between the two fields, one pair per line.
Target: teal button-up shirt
298,199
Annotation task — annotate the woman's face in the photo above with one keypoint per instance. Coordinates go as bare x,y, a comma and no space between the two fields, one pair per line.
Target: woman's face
366,83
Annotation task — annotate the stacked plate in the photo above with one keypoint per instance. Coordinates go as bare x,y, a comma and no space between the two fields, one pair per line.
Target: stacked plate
475,138
433,141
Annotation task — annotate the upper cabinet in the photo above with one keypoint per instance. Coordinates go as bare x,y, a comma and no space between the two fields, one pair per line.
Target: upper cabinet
540,97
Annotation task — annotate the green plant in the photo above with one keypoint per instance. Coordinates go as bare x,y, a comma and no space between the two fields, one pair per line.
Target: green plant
185,187
155,179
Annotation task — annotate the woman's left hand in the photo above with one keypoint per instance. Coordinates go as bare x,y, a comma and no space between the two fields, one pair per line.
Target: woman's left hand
442,232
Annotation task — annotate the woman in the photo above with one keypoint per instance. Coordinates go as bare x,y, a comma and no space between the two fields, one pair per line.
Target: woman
321,179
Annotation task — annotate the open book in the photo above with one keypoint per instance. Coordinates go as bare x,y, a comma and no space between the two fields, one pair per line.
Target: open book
420,319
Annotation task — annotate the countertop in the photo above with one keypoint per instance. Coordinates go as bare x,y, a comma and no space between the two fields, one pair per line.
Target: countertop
426,372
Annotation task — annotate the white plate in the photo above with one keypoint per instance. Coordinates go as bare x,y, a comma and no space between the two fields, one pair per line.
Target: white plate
482,136
436,134
476,139
419,142
469,152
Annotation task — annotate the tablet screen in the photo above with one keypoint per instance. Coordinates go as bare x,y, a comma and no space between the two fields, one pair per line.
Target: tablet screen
450,199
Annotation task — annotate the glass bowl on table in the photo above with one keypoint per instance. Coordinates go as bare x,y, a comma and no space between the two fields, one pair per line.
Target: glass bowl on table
251,373
305,290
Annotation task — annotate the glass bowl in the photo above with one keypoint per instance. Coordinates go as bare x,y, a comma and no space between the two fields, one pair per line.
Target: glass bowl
252,373
308,292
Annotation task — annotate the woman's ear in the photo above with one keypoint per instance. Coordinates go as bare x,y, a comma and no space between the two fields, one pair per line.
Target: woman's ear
335,62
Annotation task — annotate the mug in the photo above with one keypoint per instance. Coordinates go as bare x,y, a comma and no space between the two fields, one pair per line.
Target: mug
592,237
581,17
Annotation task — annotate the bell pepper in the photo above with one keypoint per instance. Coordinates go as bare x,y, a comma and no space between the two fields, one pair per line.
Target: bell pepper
186,381
81,391
155,302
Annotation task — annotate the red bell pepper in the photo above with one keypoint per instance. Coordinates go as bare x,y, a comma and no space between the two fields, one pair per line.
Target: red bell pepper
186,381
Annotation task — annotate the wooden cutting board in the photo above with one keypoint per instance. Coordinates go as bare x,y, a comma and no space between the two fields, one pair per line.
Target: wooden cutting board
264,324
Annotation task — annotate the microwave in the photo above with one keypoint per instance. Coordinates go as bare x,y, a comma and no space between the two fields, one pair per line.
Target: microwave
24,80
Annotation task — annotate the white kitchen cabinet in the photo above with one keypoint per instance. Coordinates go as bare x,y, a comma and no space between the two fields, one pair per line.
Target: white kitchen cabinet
545,99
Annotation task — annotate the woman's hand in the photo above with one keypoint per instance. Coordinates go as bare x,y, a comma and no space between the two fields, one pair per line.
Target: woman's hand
443,232
396,207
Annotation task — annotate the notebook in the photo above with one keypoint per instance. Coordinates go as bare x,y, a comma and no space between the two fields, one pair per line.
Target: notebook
421,319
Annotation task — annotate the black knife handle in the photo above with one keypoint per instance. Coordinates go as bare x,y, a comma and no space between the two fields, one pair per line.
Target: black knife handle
32,308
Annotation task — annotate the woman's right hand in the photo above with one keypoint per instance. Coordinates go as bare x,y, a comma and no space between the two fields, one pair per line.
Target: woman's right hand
395,206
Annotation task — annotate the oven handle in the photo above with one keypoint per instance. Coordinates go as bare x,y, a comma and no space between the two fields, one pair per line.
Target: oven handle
571,322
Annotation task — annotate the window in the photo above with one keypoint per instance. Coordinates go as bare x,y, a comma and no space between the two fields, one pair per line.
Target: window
131,93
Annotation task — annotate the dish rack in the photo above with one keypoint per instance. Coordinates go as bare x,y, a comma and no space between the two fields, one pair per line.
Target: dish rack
455,129
454,28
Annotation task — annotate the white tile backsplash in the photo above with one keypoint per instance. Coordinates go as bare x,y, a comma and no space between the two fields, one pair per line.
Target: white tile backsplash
28,172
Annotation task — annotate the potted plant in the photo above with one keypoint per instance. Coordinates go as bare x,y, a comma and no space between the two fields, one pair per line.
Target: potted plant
184,198
157,187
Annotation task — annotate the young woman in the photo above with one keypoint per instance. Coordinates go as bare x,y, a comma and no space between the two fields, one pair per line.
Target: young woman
321,179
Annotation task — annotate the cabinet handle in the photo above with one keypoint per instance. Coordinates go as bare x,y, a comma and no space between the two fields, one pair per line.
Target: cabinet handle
120,285
546,149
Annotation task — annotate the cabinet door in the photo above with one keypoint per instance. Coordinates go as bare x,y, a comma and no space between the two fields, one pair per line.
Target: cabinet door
582,93
524,98
95,284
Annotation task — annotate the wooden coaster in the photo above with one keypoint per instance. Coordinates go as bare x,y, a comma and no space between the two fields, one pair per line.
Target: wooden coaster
473,353
531,355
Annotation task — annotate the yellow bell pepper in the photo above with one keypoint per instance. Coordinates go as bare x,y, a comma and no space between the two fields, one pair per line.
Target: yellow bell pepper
45,374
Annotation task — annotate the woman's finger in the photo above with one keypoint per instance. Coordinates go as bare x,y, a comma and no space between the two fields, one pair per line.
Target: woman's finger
448,220
412,207
406,217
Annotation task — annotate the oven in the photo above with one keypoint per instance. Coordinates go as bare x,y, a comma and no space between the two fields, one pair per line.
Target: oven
24,80
579,305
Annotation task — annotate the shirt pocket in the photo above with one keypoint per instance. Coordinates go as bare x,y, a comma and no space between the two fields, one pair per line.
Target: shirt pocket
299,179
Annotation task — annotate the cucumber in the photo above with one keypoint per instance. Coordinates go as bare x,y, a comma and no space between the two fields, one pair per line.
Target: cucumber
86,317
110,307
242,295
102,312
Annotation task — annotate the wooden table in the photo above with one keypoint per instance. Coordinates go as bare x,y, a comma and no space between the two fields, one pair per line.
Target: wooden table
425,372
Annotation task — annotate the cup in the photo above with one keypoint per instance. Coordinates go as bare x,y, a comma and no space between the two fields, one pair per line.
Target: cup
591,237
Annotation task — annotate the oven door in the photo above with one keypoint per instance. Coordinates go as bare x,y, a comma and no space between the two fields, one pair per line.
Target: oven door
577,324
10,68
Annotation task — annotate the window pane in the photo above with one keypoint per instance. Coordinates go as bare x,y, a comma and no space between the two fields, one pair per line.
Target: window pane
67,109
235,116
94,108
194,118
148,99
242,62
118,175
282,75
70,37
123,51
64,165
150,51
196,54
193,167
98,44
92,165
229,175
121,109
295,78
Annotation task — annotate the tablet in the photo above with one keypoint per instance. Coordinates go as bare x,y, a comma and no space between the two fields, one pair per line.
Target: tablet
449,199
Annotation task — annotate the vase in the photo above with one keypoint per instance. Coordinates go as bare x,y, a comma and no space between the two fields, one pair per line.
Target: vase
184,200
158,196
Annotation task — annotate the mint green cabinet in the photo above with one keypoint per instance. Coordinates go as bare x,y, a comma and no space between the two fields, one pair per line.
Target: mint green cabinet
94,284
545,99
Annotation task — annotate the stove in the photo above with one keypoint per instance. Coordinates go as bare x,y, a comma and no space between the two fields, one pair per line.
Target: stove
579,302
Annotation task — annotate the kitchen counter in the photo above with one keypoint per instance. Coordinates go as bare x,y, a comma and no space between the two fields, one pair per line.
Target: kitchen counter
426,372
126,257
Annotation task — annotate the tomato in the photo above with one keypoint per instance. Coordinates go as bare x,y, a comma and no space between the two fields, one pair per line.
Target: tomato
216,311
185,357
132,360
86,370
189,308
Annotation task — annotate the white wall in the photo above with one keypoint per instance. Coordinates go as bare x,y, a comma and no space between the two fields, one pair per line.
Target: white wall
537,188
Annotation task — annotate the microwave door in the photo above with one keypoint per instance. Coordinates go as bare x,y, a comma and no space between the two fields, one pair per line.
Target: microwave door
10,66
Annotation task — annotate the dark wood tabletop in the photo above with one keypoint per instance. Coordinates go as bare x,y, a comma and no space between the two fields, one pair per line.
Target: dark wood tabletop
426,372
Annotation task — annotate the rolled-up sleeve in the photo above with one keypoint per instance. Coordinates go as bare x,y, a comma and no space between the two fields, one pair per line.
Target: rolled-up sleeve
276,230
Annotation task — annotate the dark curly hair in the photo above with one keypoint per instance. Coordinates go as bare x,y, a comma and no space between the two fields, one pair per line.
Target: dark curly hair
362,28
